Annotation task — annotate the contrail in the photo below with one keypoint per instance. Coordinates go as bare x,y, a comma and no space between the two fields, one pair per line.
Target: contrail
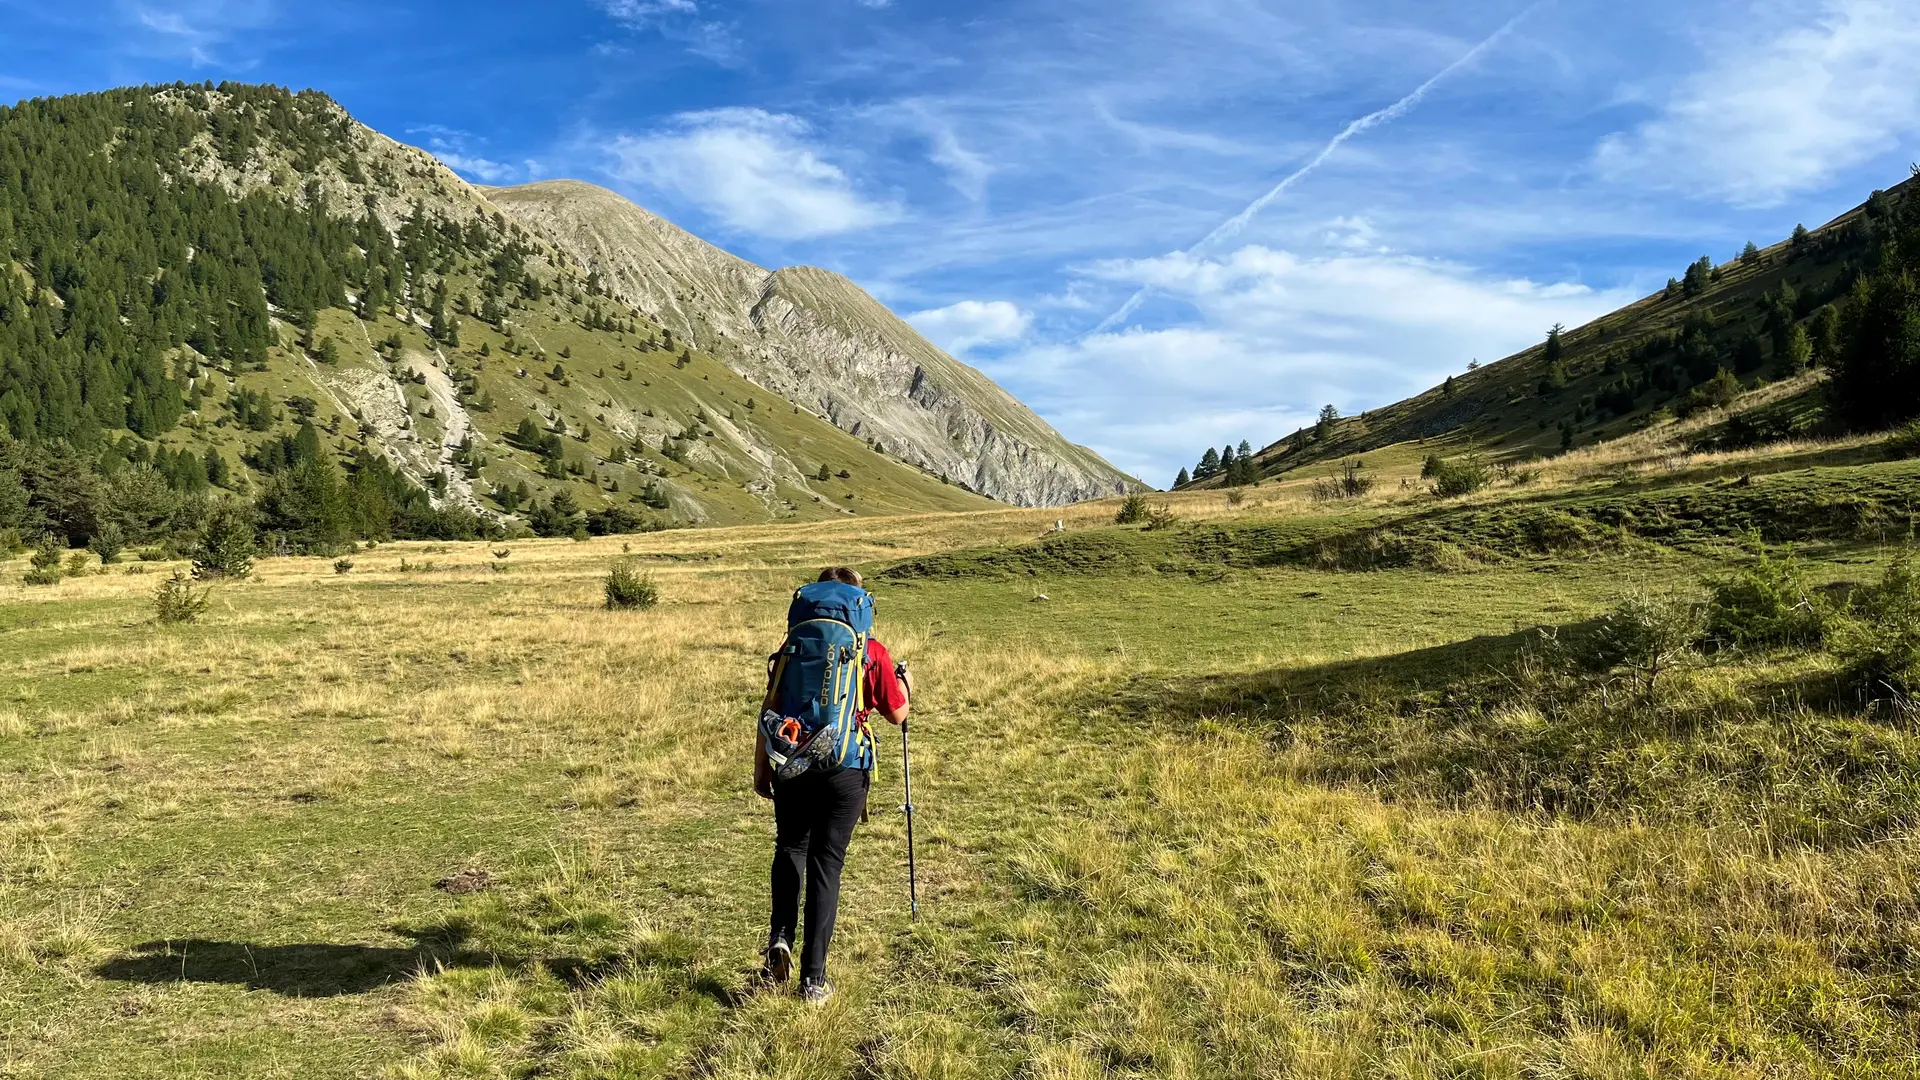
1372,120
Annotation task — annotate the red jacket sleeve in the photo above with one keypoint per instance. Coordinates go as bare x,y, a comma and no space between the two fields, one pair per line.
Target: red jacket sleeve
883,686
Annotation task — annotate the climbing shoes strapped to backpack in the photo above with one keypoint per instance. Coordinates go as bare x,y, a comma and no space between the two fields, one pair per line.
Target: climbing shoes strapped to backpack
816,683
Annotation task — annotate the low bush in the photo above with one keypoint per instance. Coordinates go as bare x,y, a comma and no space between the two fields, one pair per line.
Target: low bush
176,601
1352,483
1133,510
342,566
1647,634
226,544
1905,442
40,575
1461,476
630,587
1877,641
48,553
108,543
1766,604
1161,517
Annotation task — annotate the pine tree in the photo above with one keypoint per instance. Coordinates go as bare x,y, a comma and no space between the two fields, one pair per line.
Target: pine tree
1323,427
1182,480
226,545
1209,464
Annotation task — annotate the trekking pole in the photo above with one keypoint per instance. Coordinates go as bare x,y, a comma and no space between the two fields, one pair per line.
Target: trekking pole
906,775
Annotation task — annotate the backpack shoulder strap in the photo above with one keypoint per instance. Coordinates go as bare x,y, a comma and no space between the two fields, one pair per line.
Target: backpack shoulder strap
776,665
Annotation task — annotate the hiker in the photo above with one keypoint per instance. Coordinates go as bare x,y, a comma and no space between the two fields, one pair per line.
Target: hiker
813,756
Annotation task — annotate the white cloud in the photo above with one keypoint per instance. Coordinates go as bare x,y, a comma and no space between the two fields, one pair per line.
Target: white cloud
679,21
752,170
966,171
194,29
646,12
960,327
455,149
1782,109
1274,335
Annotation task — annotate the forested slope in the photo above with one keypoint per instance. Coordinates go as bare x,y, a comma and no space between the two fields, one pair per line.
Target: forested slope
1715,332
238,291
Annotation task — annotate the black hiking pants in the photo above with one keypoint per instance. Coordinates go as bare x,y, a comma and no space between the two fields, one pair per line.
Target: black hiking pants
814,816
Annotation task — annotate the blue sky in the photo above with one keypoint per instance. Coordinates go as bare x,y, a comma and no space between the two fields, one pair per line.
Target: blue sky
1041,186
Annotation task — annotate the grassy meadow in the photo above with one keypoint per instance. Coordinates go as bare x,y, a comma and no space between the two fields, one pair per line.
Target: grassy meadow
1211,800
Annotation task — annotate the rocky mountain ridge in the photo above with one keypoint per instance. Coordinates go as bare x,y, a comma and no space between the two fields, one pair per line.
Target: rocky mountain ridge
820,340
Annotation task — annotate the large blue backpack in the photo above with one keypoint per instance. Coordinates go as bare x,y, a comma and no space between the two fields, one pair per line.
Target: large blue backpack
816,683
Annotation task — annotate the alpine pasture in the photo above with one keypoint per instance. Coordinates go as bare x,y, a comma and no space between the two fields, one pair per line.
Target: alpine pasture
1275,788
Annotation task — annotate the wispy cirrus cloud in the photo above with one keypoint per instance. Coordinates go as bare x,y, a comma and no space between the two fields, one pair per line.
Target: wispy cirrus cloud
1784,102
683,22
751,171
196,30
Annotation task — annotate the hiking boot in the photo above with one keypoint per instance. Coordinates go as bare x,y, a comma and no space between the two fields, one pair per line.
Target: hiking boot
815,991
779,965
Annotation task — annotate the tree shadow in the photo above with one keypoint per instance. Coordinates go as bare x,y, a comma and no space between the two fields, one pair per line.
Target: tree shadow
1474,666
299,969
328,969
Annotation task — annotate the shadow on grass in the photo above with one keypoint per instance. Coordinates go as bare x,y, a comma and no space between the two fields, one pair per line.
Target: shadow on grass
1473,667
301,969
328,969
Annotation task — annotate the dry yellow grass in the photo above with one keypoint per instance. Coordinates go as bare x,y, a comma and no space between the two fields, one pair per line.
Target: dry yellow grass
1111,886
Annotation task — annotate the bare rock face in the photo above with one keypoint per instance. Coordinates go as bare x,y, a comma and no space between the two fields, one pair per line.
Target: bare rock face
818,339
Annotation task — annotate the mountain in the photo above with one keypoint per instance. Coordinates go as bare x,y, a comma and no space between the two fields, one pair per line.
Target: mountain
241,287
816,338
1769,316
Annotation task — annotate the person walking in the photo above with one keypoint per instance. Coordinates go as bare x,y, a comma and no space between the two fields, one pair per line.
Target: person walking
813,756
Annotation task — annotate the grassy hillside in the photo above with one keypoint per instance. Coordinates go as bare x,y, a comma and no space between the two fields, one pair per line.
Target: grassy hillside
199,269
1637,368
1225,797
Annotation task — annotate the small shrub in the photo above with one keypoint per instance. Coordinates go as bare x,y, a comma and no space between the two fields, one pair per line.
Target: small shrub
150,554
1133,510
226,545
1462,476
108,543
1648,635
1764,605
1905,442
1235,496
630,587
136,568
342,566
175,601
1352,483
1878,642
1161,517
78,564
425,566
48,553
43,576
